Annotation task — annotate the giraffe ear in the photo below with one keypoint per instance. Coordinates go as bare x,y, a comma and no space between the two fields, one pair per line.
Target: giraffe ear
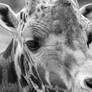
86,11
8,22
8,19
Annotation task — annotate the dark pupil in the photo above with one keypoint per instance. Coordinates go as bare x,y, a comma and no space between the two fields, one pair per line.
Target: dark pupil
33,45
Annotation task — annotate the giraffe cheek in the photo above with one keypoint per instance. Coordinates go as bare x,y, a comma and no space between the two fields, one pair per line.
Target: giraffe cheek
42,74
56,81
12,76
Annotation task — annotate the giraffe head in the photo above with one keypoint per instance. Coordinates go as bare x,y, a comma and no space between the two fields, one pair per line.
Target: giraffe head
52,41
55,27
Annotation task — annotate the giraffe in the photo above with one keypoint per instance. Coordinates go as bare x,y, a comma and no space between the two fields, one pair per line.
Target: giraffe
48,51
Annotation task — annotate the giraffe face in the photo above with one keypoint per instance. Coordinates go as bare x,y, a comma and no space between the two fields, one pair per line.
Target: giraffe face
62,44
50,32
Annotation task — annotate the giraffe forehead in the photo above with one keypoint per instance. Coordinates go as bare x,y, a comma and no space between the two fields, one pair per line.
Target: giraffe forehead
48,18
54,16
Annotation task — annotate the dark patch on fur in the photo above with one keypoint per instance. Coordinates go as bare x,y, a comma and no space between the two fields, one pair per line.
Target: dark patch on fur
67,3
4,12
23,17
0,75
12,76
21,63
23,82
33,90
15,46
36,81
8,51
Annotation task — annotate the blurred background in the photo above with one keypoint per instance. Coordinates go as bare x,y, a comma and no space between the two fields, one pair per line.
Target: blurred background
18,4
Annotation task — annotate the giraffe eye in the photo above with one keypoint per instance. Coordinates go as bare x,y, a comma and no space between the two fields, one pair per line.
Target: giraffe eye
33,45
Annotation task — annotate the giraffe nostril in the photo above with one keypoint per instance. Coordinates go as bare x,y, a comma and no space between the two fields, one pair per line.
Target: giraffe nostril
88,82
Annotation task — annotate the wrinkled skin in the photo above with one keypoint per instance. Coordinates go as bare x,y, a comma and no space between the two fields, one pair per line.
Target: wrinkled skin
63,60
